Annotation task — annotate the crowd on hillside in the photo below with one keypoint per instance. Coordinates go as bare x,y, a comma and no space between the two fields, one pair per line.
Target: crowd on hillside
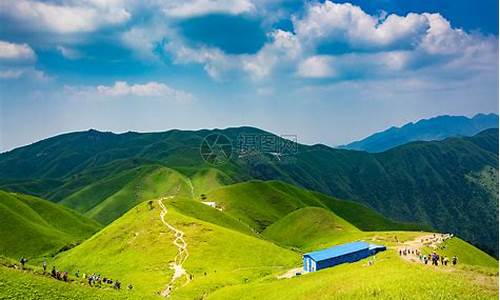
432,258
94,280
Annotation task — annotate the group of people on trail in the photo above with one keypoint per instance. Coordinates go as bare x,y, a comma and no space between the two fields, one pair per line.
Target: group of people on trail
406,251
58,274
97,280
433,257
93,280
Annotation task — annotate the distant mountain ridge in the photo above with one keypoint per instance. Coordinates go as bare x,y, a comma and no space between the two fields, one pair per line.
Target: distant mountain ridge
433,129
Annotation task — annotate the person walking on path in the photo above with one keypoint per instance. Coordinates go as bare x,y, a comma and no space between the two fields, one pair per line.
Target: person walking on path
23,260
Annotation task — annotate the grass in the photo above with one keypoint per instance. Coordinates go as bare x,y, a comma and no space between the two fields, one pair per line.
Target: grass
110,198
466,253
238,252
33,227
261,203
305,227
388,278
16,284
206,180
137,248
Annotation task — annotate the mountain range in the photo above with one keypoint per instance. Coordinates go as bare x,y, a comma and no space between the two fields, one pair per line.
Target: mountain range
228,214
449,185
437,128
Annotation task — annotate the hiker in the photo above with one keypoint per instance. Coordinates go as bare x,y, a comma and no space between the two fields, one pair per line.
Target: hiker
117,285
44,266
65,276
445,260
54,272
150,203
90,280
23,260
454,260
399,252
77,274
442,260
129,286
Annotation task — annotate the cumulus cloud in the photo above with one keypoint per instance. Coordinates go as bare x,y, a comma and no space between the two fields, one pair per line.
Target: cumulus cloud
16,52
318,66
377,45
17,61
350,24
77,16
396,44
149,89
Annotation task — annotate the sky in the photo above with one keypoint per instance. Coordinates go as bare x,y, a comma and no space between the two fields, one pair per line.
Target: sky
330,72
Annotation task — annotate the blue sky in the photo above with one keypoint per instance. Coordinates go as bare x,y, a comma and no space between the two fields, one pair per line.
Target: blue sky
329,72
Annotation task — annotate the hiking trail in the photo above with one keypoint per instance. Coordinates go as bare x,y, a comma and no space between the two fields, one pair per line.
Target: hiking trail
182,253
430,240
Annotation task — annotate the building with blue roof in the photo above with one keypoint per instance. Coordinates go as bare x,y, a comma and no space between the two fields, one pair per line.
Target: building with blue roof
340,254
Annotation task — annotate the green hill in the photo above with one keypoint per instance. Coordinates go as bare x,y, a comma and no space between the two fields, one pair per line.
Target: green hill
112,196
307,227
137,248
389,277
445,184
33,227
240,250
261,203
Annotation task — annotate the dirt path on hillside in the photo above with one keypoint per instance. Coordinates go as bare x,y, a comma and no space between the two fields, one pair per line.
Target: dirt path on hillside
182,253
432,241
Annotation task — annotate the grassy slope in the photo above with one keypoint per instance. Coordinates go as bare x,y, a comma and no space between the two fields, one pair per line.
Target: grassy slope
466,253
15,284
137,248
389,278
206,180
260,204
111,197
307,226
34,227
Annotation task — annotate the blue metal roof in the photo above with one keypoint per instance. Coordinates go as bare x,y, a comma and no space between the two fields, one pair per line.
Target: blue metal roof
337,251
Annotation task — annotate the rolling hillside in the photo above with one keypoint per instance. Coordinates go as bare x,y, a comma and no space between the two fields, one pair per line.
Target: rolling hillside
448,185
228,255
33,227
239,249
437,128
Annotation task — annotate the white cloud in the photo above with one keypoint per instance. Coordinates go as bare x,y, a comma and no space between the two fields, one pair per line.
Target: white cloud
16,52
348,23
319,66
192,8
150,89
215,62
78,16
69,53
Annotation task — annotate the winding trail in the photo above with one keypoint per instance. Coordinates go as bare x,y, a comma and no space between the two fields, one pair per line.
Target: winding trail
182,253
